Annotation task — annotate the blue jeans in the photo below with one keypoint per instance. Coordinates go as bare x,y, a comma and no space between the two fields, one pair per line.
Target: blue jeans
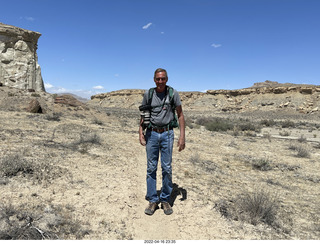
159,143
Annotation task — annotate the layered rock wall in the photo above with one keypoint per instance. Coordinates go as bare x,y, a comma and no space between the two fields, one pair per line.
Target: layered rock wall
19,66
300,98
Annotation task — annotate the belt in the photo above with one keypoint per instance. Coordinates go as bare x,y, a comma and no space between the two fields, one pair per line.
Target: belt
160,130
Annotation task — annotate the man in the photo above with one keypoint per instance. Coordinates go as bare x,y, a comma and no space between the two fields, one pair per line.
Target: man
159,138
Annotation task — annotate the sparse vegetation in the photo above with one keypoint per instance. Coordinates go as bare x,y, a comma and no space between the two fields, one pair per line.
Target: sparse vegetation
53,116
97,121
302,139
254,208
42,172
59,179
301,151
287,124
222,124
262,164
12,165
284,133
206,165
268,122
39,223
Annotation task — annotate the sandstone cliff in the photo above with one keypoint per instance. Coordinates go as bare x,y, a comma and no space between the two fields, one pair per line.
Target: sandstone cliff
19,66
262,96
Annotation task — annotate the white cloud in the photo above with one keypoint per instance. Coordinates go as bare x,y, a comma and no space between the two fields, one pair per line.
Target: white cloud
98,87
161,32
215,45
82,93
29,18
48,85
116,75
60,90
146,26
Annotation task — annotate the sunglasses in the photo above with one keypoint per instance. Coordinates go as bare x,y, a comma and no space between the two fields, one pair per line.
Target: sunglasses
161,78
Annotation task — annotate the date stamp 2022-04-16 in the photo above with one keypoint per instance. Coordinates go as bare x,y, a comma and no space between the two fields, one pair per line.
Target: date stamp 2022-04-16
160,242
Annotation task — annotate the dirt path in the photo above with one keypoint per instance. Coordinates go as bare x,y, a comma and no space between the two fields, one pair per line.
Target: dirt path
109,191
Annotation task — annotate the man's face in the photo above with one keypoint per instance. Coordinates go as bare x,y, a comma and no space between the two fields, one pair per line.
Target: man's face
161,81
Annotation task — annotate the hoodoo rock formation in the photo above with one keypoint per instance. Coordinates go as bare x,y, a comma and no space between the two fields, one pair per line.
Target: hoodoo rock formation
19,66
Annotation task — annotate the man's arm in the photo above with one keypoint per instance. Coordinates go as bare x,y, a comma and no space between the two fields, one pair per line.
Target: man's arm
141,135
182,138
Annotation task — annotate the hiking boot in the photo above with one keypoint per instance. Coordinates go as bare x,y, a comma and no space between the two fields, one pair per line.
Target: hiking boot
151,208
166,208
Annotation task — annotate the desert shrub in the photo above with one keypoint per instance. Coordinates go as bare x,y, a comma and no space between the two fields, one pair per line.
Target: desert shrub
257,207
286,167
86,139
92,138
268,122
287,124
226,124
206,165
284,133
302,152
219,125
267,135
254,208
12,165
249,126
97,121
53,116
215,124
40,172
262,164
39,223
302,139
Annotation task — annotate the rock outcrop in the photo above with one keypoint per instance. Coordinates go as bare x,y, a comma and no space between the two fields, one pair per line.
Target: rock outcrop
263,96
69,100
19,66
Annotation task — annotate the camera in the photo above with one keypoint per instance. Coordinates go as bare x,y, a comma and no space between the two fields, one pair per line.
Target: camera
145,113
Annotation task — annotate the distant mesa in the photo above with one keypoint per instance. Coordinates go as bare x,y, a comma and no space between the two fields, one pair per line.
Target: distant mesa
19,66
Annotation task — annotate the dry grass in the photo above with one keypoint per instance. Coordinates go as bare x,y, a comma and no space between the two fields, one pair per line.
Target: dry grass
81,175
39,223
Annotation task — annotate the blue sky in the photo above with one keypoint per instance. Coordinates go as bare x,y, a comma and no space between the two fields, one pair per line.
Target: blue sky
96,46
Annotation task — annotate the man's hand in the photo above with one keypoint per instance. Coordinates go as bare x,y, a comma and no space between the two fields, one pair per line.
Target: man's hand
142,139
181,143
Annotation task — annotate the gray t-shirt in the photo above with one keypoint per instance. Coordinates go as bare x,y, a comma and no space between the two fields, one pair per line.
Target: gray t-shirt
161,114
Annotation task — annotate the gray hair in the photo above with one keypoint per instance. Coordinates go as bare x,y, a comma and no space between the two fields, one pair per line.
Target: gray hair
160,70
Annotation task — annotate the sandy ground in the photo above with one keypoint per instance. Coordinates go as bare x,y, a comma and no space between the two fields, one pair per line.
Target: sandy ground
102,185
